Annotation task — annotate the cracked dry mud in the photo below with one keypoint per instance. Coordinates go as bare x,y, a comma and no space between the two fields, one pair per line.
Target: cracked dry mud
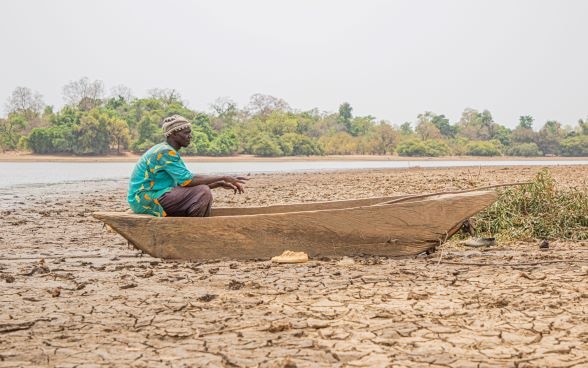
74,294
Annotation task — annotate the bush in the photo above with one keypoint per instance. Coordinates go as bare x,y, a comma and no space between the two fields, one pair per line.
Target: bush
575,146
340,143
537,210
293,144
40,141
264,145
482,148
57,139
223,145
428,148
199,145
458,146
141,147
525,150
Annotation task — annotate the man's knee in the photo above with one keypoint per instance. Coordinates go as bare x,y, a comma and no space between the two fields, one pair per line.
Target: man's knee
205,192
202,201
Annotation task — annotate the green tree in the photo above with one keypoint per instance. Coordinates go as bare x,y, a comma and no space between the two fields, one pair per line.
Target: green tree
361,125
439,121
482,148
55,139
63,139
583,127
201,123
526,122
457,146
525,149
415,147
11,129
523,135
323,125
264,145
427,130
406,128
68,116
575,146
119,133
148,131
277,123
224,144
305,121
294,144
115,103
385,138
475,125
93,136
503,134
487,122
549,137
340,143
200,144
345,116
40,142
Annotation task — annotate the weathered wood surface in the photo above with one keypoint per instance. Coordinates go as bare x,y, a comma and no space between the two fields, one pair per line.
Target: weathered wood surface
401,227
300,207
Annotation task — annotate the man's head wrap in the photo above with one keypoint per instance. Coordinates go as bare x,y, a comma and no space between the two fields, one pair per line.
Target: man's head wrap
174,123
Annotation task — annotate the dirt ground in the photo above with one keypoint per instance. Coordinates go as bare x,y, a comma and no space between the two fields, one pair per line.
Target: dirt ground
74,294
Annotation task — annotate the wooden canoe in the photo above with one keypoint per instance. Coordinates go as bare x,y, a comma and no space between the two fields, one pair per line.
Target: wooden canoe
387,226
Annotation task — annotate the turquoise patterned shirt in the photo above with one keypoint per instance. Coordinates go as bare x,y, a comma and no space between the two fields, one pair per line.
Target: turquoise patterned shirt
158,171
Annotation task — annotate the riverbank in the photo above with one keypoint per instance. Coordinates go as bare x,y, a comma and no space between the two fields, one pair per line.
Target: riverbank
76,294
131,157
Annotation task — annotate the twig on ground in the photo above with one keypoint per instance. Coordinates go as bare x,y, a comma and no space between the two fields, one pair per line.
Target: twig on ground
514,264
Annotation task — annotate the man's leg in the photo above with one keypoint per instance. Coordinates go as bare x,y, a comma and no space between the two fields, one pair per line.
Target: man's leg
187,201
202,201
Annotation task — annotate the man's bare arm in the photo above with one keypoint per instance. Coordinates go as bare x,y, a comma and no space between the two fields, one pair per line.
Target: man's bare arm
214,181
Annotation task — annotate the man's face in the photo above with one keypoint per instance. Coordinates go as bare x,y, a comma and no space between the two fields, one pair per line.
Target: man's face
184,137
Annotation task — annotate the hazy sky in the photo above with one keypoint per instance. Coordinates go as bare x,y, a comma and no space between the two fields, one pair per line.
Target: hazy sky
390,59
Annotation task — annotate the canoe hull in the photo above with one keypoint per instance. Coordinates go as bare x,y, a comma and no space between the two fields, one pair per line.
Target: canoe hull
398,226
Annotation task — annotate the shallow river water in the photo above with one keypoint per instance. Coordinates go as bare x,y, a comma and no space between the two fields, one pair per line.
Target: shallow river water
31,173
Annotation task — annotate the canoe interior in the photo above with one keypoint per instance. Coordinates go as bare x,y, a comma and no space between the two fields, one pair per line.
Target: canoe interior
301,207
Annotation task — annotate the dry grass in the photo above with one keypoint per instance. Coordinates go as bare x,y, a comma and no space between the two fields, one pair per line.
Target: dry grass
537,211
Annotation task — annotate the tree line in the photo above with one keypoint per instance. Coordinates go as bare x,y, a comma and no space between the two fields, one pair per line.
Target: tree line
92,123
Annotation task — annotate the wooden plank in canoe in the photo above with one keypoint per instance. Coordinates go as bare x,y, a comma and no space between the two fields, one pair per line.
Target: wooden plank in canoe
300,207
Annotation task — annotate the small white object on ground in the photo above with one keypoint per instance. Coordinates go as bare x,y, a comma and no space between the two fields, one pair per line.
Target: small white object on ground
480,242
346,261
289,256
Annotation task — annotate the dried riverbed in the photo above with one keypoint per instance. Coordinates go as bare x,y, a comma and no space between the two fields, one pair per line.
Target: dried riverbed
74,294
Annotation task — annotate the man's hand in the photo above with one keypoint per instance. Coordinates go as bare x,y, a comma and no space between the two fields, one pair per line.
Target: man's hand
227,182
236,182
236,186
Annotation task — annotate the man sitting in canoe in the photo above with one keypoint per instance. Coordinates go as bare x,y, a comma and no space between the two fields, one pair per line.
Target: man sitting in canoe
162,185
